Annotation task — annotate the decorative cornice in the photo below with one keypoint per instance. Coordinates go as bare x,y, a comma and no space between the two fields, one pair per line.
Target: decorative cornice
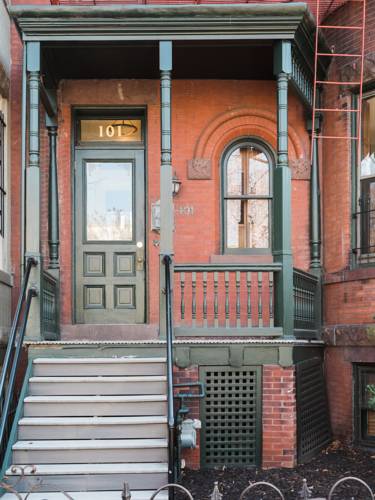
173,22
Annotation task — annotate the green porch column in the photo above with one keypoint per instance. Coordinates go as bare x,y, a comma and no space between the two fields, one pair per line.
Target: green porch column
282,212
166,200
32,178
53,200
315,231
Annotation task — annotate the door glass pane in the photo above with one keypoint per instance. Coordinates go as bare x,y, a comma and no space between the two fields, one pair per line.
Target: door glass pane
109,201
258,177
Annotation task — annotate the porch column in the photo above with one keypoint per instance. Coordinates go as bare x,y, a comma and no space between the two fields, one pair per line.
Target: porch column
53,200
166,200
282,216
32,212
315,234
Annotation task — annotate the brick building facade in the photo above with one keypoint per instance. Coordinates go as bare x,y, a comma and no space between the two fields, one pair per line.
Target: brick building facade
249,276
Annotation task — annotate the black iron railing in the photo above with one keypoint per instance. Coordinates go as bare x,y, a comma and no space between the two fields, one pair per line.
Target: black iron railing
50,306
169,333
13,355
306,301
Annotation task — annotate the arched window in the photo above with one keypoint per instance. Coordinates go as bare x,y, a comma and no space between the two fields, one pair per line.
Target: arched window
247,197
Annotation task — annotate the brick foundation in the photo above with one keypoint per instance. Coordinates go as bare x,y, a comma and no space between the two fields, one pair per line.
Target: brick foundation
279,417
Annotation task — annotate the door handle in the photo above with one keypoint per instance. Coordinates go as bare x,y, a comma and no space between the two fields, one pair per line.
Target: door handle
140,256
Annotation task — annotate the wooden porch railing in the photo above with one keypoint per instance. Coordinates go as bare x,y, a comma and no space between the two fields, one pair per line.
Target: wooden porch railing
222,299
307,308
50,307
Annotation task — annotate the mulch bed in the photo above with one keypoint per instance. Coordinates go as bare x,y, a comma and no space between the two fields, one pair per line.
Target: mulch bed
321,473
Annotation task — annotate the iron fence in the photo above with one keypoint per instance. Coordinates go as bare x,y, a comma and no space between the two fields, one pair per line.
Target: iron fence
249,493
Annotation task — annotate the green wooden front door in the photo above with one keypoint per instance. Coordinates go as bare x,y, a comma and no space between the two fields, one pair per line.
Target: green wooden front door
109,236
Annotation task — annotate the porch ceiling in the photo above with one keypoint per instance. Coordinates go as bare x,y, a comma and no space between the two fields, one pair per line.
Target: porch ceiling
204,60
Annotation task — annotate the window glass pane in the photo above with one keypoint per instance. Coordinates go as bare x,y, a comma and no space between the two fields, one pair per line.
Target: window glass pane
368,138
247,223
258,223
235,227
234,173
258,173
109,201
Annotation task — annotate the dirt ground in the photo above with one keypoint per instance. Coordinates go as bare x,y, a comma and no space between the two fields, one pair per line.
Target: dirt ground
321,473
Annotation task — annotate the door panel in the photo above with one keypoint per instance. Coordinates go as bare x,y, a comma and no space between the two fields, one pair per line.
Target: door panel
109,235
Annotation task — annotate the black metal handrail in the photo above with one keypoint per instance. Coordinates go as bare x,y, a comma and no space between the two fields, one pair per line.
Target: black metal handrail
167,260
10,365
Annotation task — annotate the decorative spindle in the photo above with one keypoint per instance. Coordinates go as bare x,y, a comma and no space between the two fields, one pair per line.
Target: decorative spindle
226,278
248,286
260,307
238,299
216,301
205,299
182,305
194,298
271,299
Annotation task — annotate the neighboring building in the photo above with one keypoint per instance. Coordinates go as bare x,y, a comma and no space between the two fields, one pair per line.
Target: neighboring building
5,195
145,131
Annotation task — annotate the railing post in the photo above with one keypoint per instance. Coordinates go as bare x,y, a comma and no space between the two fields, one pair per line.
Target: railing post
166,201
282,250
32,212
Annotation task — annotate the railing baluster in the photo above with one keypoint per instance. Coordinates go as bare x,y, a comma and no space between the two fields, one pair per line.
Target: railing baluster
238,299
182,304
248,286
260,307
226,278
216,301
271,298
194,298
205,299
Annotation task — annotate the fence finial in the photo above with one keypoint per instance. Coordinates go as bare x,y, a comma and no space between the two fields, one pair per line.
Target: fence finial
305,492
216,495
126,495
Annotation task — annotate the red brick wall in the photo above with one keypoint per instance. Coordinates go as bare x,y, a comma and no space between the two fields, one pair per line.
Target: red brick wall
219,121
338,373
279,417
346,302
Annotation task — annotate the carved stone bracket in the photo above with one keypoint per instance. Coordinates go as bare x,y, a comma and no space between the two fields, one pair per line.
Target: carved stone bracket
301,169
199,168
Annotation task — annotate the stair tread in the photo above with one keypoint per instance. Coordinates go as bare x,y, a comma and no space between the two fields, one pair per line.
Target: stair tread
89,495
120,360
89,444
101,378
96,399
107,468
158,419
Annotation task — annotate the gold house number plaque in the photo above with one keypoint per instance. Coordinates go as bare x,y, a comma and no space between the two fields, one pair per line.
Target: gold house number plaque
108,130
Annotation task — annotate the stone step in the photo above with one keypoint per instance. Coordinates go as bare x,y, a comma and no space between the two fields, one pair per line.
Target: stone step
91,477
33,428
44,386
90,451
61,406
121,366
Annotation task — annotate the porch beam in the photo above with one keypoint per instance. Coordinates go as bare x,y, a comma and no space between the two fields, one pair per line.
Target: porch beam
166,201
32,212
282,213
48,101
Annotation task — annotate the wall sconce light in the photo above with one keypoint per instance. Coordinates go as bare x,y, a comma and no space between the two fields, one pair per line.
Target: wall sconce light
176,185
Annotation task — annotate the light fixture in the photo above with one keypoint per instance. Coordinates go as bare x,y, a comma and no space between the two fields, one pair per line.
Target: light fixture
176,185
126,127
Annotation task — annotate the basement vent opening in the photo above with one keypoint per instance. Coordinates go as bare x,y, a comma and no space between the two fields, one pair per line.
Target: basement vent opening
231,416
313,425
